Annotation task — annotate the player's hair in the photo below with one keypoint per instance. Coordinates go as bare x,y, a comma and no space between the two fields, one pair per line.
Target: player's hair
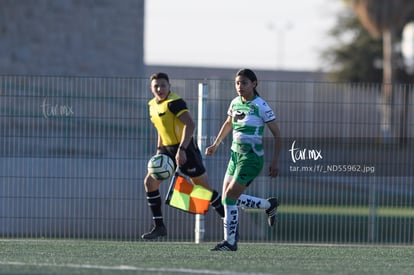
160,75
250,75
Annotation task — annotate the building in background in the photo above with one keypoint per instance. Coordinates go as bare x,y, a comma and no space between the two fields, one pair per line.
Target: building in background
67,37
92,38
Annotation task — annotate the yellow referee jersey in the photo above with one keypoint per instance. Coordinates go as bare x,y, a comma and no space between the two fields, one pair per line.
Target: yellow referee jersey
164,115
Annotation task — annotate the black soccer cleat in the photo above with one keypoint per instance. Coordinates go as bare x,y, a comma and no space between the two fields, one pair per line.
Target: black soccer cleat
272,211
225,246
156,232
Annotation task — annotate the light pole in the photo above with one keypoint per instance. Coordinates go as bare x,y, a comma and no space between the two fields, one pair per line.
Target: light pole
279,31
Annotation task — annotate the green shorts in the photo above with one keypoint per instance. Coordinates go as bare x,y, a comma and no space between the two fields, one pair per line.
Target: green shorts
244,167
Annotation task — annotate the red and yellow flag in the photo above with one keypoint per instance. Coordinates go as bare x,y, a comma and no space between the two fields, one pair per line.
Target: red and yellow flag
188,197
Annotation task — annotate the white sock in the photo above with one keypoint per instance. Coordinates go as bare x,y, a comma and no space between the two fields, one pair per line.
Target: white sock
252,202
230,221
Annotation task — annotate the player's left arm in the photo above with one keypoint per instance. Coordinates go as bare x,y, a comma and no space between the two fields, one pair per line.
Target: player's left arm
159,143
179,108
274,165
188,130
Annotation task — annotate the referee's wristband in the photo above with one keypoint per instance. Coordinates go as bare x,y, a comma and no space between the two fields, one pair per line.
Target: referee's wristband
182,148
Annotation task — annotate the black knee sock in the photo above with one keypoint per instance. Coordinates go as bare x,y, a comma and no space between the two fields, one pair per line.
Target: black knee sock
154,202
217,204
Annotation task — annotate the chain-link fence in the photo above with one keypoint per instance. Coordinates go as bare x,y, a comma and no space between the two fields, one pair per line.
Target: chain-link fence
73,155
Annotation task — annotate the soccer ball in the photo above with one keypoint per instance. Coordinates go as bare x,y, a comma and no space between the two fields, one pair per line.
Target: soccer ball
161,167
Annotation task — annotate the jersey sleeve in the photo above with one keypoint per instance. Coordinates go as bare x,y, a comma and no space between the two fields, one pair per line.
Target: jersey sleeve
266,112
230,109
177,107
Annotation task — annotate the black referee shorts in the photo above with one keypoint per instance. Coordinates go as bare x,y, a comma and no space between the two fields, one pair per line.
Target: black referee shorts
194,166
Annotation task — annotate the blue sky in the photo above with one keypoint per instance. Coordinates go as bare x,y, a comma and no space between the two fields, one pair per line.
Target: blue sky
261,34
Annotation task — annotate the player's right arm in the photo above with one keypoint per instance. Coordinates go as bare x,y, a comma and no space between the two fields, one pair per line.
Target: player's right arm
224,131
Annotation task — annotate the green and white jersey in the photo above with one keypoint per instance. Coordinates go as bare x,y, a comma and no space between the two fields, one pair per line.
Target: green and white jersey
248,121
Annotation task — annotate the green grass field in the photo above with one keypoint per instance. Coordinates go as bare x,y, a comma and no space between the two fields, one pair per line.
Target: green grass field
30,256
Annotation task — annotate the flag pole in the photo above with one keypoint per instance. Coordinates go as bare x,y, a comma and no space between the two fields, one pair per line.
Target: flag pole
201,141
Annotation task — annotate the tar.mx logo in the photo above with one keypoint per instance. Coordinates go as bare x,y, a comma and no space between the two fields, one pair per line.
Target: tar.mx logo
55,110
304,153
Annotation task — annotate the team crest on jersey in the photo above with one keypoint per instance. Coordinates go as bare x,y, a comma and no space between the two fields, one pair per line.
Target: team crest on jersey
253,109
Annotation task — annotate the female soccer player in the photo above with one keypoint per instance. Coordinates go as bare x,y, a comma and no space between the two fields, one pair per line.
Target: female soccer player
247,116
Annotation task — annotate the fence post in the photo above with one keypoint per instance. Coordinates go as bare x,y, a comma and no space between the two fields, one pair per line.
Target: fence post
201,141
372,216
